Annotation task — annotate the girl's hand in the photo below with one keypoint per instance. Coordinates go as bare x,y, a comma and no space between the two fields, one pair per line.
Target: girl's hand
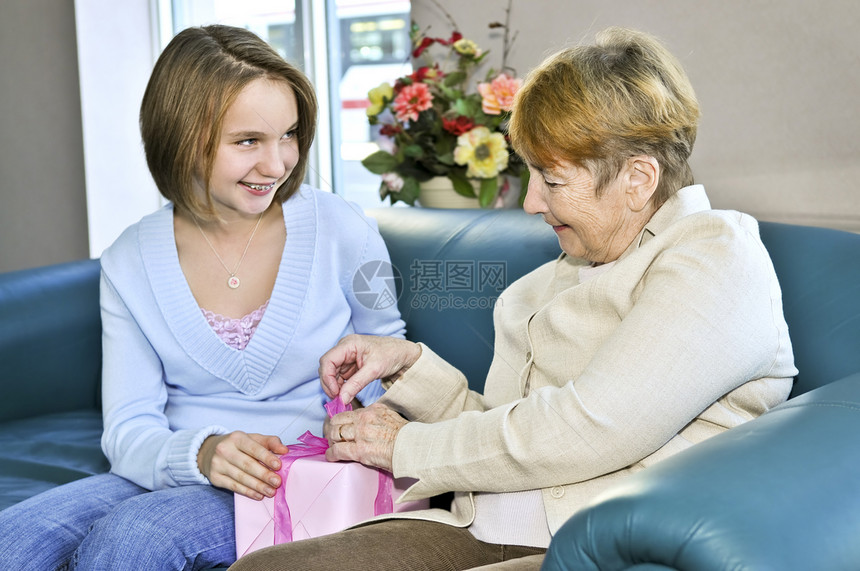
358,360
366,435
242,463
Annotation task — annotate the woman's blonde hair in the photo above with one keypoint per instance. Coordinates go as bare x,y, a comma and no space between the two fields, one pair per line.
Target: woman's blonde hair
195,80
597,105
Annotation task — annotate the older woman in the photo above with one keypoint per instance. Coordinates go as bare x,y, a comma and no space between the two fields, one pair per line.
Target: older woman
660,325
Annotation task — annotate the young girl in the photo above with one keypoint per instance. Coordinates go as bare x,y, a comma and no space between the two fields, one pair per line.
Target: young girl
215,311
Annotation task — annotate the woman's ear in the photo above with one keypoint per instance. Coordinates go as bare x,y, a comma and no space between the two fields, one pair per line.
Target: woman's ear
643,174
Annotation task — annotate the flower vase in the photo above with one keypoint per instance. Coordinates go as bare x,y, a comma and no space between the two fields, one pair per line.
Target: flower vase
438,192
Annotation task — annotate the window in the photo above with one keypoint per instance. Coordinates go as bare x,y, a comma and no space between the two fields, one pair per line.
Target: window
362,42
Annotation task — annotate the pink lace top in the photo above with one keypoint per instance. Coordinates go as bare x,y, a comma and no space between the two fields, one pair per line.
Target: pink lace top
236,333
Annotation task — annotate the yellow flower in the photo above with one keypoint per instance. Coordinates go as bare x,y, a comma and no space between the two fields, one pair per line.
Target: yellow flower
467,48
485,153
378,97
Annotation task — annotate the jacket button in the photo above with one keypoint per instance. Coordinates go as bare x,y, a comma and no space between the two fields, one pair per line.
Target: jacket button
557,492
528,356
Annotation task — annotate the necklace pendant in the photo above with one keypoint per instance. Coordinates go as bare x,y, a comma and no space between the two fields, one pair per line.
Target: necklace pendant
233,282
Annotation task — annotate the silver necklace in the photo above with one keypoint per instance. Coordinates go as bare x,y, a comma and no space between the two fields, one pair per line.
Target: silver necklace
232,282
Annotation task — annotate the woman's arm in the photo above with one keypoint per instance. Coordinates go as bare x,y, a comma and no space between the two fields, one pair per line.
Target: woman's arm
706,319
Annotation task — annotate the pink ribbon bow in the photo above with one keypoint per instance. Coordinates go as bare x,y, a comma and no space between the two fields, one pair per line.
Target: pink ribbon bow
311,445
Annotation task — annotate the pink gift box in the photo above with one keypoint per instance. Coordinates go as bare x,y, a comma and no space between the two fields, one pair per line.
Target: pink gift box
323,497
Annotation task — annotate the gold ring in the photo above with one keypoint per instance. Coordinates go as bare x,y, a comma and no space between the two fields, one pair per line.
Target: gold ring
340,433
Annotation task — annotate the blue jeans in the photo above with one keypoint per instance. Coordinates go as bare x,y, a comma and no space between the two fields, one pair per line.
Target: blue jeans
106,522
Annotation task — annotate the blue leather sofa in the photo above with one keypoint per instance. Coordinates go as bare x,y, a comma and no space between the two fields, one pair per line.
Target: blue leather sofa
780,492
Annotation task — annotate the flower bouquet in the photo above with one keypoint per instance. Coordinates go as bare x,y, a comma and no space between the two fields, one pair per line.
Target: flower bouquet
433,125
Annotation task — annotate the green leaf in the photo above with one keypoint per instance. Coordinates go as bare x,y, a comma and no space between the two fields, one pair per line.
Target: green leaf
445,149
489,188
462,185
467,107
454,78
435,168
446,158
379,162
491,122
414,170
449,93
409,192
413,151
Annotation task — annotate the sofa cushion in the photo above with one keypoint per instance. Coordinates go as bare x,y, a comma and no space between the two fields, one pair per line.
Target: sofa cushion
819,272
44,451
50,339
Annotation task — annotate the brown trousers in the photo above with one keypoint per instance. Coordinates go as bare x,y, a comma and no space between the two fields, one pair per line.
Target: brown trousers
393,545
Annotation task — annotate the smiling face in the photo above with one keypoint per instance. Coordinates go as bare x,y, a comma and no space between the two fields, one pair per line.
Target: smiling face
596,229
257,151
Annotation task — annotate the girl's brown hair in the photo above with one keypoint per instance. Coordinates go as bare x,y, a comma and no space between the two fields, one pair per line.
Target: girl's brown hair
195,80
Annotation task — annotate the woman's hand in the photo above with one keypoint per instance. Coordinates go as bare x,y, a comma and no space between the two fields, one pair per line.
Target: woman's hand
358,360
366,435
242,463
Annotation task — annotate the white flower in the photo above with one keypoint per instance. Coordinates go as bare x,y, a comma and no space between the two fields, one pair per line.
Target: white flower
393,181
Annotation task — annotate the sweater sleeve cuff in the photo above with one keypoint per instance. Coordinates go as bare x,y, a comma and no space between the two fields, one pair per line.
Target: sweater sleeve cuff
182,457
406,464
371,393
418,392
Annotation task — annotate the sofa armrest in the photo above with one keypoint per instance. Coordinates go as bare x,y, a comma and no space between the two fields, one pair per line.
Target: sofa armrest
50,339
779,492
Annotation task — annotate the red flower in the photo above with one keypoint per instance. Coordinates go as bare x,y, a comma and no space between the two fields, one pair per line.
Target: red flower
390,130
425,43
456,36
461,124
423,73
419,74
412,100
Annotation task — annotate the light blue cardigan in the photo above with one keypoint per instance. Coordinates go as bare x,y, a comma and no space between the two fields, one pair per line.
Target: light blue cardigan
169,381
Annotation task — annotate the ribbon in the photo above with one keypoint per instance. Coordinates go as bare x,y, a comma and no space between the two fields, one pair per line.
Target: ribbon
310,445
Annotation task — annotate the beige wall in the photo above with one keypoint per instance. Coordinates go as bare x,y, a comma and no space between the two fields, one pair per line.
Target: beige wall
43,216
778,82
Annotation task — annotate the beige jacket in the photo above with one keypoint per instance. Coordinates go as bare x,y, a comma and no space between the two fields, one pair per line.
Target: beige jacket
683,338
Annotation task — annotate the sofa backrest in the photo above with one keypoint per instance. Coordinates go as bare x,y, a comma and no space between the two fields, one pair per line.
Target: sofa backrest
819,272
454,264
50,339
447,259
